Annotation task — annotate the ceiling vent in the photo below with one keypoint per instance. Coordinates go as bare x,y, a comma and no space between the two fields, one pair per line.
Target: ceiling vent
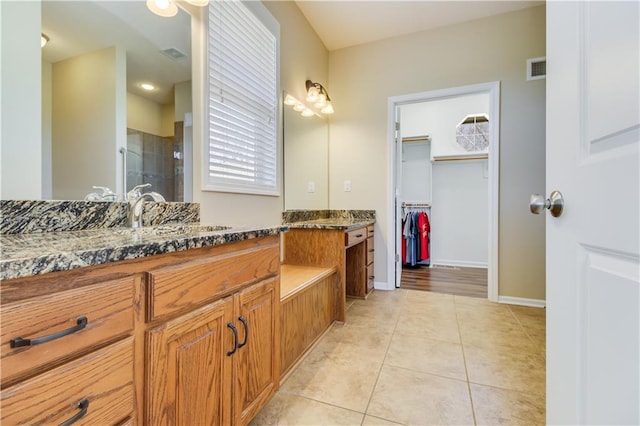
536,68
173,53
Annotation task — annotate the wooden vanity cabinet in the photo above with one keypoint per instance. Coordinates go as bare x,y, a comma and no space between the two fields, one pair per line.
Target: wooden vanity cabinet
185,338
359,273
217,363
67,352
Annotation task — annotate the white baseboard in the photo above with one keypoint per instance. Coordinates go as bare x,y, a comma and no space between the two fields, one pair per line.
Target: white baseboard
536,303
381,285
460,263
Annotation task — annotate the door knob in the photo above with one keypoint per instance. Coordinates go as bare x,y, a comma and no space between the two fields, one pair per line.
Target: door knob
554,203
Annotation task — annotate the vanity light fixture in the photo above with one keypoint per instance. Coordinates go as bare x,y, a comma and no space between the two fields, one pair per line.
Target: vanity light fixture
317,94
44,39
307,113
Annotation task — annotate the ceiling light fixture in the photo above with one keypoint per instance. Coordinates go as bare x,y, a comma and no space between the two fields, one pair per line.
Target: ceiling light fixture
165,8
44,39
147,86
317,94
199,3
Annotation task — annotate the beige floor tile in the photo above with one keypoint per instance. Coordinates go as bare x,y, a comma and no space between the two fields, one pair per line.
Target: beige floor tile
413,398
434,326
494,406
334,377
509,334
416,296
356,342
379,317
426,356
297,411
392,296
506,368
377,421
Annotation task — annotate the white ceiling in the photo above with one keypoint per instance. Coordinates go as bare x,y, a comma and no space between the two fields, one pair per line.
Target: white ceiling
78,27
342,23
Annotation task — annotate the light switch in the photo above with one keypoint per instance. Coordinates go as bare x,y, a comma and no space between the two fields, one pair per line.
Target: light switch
347,186
311,186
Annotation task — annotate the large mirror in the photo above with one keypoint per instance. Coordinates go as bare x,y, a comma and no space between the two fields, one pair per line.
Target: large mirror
100,126
306,161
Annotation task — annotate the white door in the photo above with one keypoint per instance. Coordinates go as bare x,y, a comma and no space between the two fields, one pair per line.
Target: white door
593,255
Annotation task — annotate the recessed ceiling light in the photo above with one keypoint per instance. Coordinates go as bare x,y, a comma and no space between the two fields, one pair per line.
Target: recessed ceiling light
147,86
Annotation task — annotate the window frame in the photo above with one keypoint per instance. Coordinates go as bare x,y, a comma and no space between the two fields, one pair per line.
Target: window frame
231,186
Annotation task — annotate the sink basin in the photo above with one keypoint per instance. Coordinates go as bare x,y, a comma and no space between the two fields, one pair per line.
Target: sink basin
174,229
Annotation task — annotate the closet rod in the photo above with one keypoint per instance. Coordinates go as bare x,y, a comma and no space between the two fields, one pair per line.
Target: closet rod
415,204
461,157
416,138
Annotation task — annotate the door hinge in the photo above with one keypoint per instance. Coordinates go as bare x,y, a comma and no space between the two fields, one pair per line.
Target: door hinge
397,125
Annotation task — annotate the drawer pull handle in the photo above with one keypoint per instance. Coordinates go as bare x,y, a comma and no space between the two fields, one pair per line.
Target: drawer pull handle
235,338
371,251
246,331
371,277
83,406
19,342
359,235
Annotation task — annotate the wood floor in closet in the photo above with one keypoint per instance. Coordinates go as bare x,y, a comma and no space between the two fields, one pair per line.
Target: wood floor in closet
459,281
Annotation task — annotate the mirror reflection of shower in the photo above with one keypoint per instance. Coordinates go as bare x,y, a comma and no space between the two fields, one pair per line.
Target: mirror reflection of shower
158,160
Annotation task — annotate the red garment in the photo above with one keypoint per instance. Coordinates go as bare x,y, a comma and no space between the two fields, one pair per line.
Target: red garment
404,243
424,227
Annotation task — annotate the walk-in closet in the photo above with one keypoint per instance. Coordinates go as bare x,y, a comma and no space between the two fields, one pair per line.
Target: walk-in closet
444,195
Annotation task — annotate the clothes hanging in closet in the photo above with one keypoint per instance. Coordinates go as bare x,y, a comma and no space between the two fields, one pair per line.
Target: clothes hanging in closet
415,237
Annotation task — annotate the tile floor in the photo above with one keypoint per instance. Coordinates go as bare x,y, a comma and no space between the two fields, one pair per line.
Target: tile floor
418,358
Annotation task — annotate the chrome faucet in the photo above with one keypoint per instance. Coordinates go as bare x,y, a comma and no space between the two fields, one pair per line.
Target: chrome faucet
136,202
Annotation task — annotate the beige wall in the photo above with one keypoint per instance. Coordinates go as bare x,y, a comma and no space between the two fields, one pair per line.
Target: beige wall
87,131
145,115
362,79
302,56
21,153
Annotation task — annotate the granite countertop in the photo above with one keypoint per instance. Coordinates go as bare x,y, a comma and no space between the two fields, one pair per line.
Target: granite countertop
23,255
329,219
332,223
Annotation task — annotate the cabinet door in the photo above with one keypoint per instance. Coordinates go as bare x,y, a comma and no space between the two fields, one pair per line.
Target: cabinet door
188,370
257,368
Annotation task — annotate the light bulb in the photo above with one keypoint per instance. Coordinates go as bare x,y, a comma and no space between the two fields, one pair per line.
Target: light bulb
328,109
299,107
44,39
312,94
290,100
307,113
321,103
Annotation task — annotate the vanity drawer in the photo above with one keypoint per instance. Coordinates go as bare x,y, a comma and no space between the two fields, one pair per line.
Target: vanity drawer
370,277
370,250
189,285
53,325
104,378
356,236
370,231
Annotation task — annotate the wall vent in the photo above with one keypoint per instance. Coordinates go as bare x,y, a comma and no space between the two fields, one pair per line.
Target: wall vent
536,68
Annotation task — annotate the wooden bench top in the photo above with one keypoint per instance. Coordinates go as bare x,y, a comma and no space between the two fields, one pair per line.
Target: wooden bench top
294,278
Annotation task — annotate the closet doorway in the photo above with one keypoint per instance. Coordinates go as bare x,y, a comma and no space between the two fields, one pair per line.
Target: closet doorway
445,174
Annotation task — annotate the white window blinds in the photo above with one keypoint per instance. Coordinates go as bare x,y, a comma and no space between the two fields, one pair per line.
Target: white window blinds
243,101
